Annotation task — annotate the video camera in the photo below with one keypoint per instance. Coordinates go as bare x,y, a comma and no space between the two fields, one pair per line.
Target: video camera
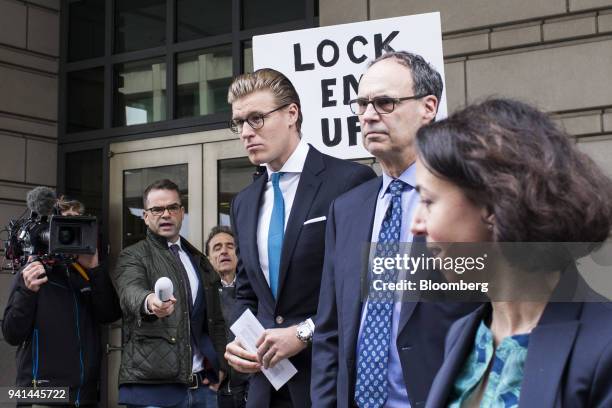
46,235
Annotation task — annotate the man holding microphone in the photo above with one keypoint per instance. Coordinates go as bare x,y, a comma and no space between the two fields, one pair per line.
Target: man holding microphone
172,348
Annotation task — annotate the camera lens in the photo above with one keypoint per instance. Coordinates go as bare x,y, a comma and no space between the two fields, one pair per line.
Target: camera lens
66,235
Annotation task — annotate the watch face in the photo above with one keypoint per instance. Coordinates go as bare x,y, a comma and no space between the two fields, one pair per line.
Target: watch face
304,331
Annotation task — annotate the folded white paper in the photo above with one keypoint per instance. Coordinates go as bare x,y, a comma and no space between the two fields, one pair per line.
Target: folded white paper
248,330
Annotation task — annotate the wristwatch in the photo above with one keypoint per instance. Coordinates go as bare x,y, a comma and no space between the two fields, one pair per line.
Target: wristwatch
305,330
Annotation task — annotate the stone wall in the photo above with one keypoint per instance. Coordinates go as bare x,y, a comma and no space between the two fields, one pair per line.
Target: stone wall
29,49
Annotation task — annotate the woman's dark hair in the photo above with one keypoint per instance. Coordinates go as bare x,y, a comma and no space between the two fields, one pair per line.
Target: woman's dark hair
511,158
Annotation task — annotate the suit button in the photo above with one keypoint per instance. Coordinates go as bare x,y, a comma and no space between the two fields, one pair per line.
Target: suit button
279,320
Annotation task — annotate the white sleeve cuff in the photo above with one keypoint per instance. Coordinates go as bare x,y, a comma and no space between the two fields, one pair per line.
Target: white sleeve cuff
145,307
310,324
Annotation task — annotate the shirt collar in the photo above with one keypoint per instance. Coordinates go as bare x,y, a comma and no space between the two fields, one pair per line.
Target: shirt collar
178,242
295,163
229,285
408,177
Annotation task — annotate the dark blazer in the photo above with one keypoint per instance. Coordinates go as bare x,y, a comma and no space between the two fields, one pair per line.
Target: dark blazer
322,180
569,357
422,327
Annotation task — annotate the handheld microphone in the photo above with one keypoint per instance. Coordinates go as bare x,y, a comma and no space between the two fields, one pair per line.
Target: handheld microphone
164,289
41,200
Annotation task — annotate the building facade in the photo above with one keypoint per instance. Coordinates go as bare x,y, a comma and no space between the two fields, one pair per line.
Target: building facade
99,98
29,67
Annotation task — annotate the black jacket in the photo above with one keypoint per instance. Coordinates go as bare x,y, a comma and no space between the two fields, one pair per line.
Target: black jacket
323,178
57,330
158,351
234,379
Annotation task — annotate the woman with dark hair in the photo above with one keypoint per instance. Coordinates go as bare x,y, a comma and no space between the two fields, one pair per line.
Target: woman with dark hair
500,173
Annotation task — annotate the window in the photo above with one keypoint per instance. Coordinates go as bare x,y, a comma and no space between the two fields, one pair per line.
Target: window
199,18
85,100
140,93
139,24
203,78
247,56
83,179
259,13
85,29
233,176
127,58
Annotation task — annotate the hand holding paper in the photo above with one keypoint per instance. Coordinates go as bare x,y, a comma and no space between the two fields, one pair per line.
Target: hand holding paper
275,345
248,331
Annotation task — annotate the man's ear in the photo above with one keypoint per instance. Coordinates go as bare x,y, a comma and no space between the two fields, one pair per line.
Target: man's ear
294,111
431,107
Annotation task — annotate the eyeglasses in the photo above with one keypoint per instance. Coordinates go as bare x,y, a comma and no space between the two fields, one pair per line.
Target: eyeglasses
255,120
382,104
172,209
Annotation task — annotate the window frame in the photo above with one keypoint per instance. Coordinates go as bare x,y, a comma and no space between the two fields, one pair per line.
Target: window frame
236,38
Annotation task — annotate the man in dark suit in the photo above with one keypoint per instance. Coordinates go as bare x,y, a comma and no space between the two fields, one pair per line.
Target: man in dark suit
279,226
365,354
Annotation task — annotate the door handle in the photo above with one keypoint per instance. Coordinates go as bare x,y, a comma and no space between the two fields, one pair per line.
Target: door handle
110,348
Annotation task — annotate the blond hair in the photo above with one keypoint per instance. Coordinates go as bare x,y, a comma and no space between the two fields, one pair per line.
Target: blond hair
266,79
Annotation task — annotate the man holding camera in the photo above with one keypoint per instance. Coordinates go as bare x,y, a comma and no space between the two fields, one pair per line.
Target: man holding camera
54,315
172,345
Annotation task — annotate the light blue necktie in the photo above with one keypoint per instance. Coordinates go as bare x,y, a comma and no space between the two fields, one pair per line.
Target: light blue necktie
371,390
276,233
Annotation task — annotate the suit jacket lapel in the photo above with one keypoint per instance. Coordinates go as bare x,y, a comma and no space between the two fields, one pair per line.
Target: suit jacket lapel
354,289
550,344
455,359
408,305
310,181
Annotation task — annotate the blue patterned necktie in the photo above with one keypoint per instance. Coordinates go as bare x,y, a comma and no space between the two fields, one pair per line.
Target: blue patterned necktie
371,390
276,233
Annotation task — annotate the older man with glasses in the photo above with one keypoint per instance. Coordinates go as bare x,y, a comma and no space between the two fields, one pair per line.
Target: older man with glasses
376,351
173,348
279,225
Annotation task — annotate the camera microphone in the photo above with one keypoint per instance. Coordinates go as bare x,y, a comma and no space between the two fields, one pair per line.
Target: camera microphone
164,289
41,200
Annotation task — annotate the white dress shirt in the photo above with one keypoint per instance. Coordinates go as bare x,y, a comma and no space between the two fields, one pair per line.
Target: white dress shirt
194,283
398,395
288,185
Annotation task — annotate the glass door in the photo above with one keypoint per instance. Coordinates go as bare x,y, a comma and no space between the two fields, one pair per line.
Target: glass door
130,173
226,171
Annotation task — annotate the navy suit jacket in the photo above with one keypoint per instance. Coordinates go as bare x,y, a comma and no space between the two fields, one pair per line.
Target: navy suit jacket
569,357
322,180
422,327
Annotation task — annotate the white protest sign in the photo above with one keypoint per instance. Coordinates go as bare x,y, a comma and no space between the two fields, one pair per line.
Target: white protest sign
325,64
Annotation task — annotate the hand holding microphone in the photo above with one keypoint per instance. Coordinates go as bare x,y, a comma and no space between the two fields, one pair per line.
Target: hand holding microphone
161,303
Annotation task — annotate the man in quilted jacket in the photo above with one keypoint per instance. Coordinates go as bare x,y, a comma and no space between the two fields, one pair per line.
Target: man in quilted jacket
172,349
